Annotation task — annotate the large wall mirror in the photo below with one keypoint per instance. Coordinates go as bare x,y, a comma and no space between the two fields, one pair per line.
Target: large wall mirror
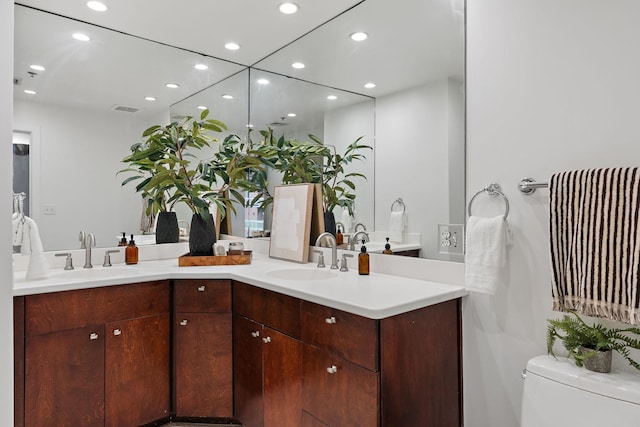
413,117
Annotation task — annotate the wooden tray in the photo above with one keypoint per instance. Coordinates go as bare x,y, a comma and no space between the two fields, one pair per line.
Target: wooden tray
187,260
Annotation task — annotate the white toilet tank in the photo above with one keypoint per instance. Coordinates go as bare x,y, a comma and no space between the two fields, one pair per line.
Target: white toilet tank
557,393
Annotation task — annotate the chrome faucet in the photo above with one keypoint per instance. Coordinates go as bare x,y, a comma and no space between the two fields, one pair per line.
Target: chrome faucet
338,223
186,224
354,239
364,228
333,245
89,242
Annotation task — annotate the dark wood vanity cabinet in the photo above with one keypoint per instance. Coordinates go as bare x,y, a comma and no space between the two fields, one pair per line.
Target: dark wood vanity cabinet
203,360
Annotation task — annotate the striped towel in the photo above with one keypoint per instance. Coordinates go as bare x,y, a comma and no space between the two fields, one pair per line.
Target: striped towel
595,245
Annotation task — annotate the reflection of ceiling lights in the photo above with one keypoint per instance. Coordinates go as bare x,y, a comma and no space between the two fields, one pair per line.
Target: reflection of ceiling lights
359,36
298,65
370,85
97,6
232,46
81,37
200,67
172,85
30,92
288,8
227,96
332,97
262,81
36,67
201,107
291,114
149,98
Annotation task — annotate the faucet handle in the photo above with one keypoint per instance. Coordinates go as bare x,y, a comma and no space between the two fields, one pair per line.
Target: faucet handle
320,258
107,257
343,262
68,265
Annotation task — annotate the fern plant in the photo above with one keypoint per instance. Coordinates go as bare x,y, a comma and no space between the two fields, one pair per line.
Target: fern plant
575,333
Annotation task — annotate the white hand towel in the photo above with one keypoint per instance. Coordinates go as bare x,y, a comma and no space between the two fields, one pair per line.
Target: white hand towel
38,265
397,222
346,221
16,220
485,257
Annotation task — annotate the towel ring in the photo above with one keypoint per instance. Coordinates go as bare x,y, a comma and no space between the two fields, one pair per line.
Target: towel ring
400,202
492,189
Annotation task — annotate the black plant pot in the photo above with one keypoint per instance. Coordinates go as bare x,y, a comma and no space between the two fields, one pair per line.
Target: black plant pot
167,228
330,223
202,236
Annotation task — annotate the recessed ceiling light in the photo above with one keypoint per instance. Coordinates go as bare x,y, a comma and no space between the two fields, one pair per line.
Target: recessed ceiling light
30,92
201,67
332,97
262,81
201,107
36,67
97,6
291,114
172,85
288,8
232,46
81,37
359,36
227,96
370,85
149,98
298,65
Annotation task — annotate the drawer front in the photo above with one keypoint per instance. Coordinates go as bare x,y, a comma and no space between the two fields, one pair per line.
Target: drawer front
339,392
277,311
347,335
202,296
58,311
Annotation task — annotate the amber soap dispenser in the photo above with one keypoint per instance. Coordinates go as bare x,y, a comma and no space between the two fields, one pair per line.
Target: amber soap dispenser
363,260
131,252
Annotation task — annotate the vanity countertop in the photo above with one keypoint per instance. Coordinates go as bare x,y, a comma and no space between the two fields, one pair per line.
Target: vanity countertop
375,296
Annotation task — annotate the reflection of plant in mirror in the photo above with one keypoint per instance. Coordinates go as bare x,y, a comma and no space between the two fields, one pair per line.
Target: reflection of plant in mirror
163,162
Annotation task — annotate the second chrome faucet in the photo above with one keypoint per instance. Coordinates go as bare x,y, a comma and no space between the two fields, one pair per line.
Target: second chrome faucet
330,238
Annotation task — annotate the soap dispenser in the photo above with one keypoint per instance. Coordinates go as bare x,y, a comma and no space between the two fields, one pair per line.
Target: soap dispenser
131,252
339,237
387,248
123,241
363,260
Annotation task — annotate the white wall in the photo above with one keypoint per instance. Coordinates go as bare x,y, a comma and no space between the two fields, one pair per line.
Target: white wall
551,85
6,178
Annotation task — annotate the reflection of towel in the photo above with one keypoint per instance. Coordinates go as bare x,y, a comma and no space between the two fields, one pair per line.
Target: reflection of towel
396,226
17,222
346,221
38,265
487,239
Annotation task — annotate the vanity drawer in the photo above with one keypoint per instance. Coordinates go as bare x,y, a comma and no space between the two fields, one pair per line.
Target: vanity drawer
59,311
202,296
347,335
277,311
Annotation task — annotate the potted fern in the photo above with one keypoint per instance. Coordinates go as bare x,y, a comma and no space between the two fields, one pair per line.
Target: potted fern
591,346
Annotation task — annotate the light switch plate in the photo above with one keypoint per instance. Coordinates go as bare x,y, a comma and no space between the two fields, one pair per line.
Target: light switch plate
451,238
49,209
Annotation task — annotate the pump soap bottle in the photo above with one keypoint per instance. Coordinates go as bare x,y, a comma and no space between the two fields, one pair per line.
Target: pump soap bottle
339,237
131,252
363,260
387,248
123,241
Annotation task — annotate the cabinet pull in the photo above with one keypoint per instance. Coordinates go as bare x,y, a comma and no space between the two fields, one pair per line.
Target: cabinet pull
332,369
201,288
117,332
184,322
266,340
330,320
93,336
255,334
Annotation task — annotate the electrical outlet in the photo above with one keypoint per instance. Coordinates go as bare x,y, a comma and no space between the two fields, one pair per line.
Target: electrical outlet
451,238
49,209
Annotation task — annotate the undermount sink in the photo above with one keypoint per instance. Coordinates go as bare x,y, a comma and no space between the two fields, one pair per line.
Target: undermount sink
303,274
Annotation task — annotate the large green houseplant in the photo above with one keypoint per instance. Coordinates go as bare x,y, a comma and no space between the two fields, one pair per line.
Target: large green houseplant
587,343
167,172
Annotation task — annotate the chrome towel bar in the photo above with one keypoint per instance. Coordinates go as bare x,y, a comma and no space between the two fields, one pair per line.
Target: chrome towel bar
529,185
492,189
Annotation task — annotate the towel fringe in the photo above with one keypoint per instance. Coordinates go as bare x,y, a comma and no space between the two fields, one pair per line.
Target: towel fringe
617,312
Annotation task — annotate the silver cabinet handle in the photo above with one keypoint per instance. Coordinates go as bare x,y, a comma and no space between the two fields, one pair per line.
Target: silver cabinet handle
330,320
332,369
184,322
93,336
266,340
255,334
117,332
201,288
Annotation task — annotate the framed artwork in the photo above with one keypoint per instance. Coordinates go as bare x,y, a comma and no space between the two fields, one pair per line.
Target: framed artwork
291,223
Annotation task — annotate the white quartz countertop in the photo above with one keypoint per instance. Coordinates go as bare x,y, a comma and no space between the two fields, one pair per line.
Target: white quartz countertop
375,296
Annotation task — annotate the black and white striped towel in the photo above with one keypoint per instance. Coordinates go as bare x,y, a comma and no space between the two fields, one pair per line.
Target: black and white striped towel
595,245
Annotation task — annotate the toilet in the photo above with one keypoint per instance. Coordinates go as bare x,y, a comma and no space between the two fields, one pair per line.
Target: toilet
557,393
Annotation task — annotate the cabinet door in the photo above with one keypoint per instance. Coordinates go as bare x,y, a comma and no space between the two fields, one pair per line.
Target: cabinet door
204,365
247,372
65,378
282,379
137,371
